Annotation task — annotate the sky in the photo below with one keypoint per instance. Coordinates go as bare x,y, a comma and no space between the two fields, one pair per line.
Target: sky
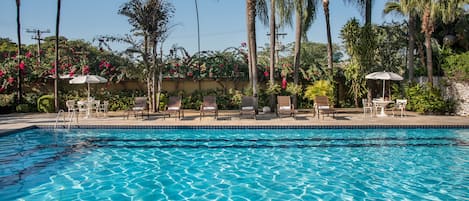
222,22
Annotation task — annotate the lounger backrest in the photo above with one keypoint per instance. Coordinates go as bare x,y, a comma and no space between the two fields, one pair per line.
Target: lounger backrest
140,102
174,101
210,101
283,101
321,101
248,101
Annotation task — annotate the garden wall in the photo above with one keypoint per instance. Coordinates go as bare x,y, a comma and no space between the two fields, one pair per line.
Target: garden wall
187,86
460,93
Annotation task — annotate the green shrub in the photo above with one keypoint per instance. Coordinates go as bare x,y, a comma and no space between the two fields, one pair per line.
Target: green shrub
23,108
425,99
7,100
456,67
319,88
45,104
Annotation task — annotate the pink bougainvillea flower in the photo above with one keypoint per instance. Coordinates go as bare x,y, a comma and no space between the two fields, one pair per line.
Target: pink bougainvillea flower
22,65
266,73
11,80
28,55
284,83
86,69
52,71
72,73
108,65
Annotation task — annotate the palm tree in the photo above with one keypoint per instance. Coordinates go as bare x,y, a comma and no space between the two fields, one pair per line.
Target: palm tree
429,11
407,8
251,13
273,35
325,5
364,4
305,13
18,31
56,80
151,19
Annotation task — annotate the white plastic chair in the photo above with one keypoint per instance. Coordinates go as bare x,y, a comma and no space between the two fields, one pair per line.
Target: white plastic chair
367,106
103,108
400,105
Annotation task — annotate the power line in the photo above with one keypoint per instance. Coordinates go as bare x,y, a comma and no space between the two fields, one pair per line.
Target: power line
38,38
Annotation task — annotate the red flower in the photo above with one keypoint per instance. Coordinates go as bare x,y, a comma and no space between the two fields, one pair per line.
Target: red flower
11,80
52,71
72,73
28,55
177,64
86,69
266,73
22,65
284,83
108,65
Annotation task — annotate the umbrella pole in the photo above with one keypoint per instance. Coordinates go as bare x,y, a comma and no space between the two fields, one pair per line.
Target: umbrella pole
88,91
384,89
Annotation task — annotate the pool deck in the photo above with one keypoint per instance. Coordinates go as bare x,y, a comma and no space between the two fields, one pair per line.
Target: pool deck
343,117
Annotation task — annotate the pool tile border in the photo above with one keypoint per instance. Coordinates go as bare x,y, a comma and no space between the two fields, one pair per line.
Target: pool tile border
250,126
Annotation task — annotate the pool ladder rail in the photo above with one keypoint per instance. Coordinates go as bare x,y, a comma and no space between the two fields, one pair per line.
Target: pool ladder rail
66,118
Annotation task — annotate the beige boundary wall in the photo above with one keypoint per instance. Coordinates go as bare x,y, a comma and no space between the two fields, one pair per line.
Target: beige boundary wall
187,86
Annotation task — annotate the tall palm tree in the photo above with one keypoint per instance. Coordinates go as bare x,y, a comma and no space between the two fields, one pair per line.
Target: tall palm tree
429,11
406,8
18,32
151,19
253,7
56,62
305,14
325,5
366,5
273,35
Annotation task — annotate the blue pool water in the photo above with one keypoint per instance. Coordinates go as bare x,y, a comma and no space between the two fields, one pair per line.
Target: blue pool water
235,164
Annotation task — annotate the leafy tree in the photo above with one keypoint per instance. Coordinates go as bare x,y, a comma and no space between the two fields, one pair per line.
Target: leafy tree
151,18
406,8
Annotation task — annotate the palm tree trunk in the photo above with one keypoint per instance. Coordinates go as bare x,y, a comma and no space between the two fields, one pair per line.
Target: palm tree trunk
56,67
248,27
297,54
427,28
18,32
154,66
251,29
329,37
160,78
368,5
428,49
325,5
411,47
273,34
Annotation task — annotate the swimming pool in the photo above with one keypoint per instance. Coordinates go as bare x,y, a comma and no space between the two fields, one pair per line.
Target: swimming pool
236,164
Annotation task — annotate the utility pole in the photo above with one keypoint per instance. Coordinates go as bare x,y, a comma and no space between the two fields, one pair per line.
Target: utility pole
38,38
277,45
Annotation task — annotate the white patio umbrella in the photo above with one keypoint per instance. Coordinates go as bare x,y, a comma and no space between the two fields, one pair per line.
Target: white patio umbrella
88,79
383,75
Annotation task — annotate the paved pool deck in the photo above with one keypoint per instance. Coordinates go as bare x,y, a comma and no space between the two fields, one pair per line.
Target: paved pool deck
343,117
